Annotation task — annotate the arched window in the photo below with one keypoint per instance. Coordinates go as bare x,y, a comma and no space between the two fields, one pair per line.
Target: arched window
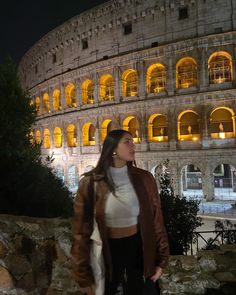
220,68
46,139
186,73
88,134
106,88
56,100
107,127
71,136
38,137
57,137
70,95
156,78
188,126
157,128
88,92
129,83
37,104
222,123
132,125
46,103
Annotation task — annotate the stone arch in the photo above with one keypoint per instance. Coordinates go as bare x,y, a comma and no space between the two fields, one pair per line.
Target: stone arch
106,126
37,104
186,73
132,125
188,126
220,67
156,78
46,139
56,100
106,87
70,95
224,173
88,134
46,103
57,137
157,128
71,135
88,92
38,137
222,123
129,80
191,180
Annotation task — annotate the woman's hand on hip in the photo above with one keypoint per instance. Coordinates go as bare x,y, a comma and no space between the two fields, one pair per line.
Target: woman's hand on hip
88,290
157,274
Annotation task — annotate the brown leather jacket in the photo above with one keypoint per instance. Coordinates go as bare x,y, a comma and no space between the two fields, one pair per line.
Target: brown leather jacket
152,229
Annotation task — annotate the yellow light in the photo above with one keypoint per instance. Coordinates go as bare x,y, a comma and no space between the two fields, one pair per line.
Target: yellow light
195,138
222,135
181,139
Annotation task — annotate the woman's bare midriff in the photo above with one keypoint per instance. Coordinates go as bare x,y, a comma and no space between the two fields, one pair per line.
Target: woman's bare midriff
122,232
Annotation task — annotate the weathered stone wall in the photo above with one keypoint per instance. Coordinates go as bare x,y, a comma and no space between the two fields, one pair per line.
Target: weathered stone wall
34,260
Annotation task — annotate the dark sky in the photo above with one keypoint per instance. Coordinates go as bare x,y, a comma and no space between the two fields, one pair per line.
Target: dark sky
23,22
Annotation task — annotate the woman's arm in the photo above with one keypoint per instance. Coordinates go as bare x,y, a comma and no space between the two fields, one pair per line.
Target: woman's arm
82,227
160,230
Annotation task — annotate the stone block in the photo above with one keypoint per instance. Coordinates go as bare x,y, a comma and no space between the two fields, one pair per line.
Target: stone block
6,280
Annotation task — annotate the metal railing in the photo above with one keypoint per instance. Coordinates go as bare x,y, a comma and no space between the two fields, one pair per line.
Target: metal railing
206,240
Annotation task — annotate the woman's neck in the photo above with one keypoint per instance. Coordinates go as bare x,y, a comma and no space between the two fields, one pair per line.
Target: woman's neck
118,163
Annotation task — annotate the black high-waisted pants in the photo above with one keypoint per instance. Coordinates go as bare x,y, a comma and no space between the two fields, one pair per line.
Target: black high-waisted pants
127,266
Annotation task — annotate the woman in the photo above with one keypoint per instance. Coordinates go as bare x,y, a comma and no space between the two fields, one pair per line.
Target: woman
129,219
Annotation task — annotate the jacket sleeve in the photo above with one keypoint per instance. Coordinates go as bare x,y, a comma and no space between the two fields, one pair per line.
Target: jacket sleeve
82,227
162,244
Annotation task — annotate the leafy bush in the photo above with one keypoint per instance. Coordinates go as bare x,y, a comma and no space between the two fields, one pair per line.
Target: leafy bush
180,214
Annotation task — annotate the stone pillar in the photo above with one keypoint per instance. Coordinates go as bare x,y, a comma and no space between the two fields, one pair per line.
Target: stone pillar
117,82
96,88
80,137
78,92
141,79
175,178
144,132
208,183
203,70
205,127
171,77
172,129
50,93
63,99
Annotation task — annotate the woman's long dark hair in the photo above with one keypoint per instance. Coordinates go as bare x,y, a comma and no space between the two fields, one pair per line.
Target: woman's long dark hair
105,160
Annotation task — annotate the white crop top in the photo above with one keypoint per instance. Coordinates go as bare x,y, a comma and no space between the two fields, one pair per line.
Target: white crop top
121,209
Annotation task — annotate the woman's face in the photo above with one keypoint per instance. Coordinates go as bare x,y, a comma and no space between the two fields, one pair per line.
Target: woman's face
125,150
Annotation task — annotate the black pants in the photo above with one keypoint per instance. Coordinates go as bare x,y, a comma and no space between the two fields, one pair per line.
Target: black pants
127,263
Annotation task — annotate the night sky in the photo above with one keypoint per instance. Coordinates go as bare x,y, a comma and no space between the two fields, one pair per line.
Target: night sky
23,22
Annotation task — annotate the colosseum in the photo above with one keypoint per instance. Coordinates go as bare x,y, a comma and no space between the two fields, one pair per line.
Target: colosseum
163,69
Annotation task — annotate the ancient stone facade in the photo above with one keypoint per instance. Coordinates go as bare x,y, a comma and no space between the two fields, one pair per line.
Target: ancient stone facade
164,70
35,259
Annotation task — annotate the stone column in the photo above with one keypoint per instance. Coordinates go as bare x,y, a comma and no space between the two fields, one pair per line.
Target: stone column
50,93
171,77
205,127
172,129
78,92
203,70
144,132
96,88
63,99
208,183
117,81
141,79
